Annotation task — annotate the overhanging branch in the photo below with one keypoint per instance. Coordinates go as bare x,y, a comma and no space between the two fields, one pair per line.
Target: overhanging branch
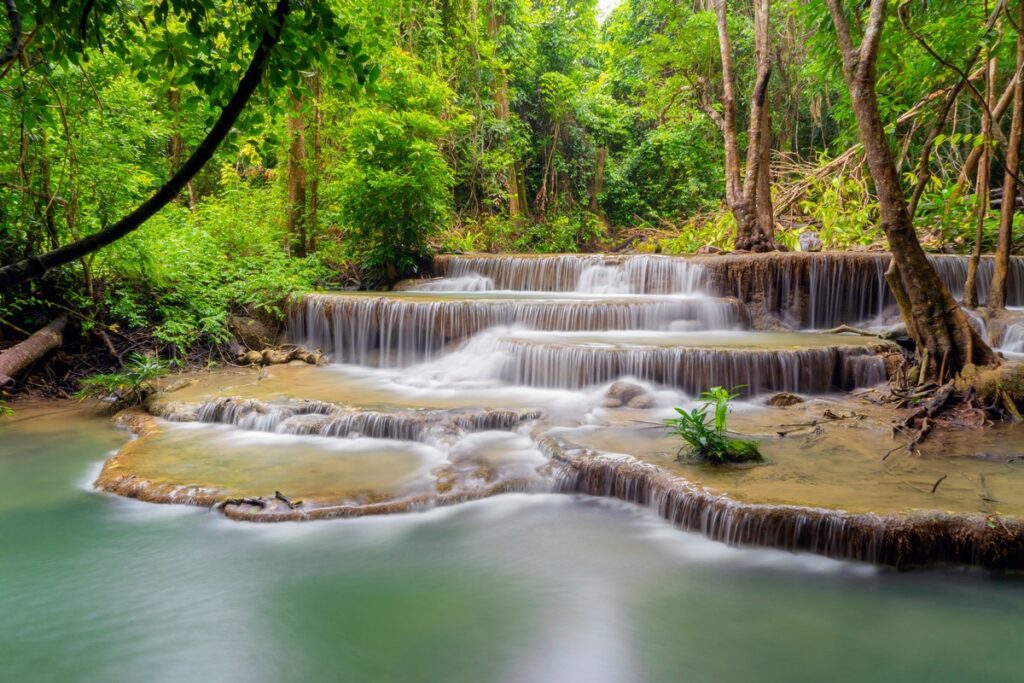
36,266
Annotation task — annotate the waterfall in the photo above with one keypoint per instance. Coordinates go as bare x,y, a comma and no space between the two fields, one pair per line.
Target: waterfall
692,370
634,274
902,541
317,418
394,332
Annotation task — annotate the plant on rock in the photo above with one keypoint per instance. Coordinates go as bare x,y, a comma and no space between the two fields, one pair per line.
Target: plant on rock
710,442
130,387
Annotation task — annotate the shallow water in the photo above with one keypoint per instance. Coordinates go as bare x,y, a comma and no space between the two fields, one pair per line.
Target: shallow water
516,588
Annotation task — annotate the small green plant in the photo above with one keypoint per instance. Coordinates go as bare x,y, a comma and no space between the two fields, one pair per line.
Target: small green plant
710,442
5,410
130,387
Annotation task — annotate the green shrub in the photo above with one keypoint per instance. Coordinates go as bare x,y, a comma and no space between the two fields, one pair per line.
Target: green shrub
709,442
128,388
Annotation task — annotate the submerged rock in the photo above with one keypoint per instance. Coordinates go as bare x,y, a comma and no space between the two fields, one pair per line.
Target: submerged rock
784,399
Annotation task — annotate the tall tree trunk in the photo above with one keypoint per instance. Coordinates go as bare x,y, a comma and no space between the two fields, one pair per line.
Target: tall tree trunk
934,319
597,184
296,227
997,291
754,224
176,145
981,187
765,210
313,216
495,20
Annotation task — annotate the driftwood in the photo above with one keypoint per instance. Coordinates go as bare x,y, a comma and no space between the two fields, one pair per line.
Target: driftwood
20,356
287,501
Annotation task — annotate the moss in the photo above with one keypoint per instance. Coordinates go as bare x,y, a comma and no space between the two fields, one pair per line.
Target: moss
739,450
727,452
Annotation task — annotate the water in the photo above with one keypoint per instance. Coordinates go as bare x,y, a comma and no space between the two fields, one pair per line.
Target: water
517,588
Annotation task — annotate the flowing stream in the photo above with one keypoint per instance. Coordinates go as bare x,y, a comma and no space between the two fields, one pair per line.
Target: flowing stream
532,378
519,587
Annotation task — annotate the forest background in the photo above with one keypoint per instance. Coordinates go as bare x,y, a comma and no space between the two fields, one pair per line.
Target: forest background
460,126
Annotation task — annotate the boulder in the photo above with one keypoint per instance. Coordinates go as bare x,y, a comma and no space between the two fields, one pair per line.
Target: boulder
624,392
642,402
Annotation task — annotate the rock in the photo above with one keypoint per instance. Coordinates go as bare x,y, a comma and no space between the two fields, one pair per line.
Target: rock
809,241
624,392
252,333
251,358
784,399
277,356
710,249
642,402
611,403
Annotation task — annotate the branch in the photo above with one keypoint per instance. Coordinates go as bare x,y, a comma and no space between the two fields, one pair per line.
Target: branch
13,47
872,39
36,266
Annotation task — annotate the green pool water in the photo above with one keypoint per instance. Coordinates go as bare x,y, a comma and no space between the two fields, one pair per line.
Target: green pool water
517,588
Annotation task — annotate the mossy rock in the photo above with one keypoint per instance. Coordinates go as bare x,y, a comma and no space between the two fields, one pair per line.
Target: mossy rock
735,452
740,451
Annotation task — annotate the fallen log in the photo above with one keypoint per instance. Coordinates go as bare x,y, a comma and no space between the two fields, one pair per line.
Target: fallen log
23,354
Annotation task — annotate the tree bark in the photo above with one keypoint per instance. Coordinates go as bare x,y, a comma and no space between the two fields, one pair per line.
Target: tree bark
934,319
17,358
495,20
749,200
295,232
997,291
597,185
981,189
313,216
36,266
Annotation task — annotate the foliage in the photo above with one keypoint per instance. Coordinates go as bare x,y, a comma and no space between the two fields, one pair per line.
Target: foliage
127,388
512,125
709,442
394,190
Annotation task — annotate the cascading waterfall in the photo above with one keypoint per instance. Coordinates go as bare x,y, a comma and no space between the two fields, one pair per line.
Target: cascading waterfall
396,332
635,274
693,370
318,418
541,340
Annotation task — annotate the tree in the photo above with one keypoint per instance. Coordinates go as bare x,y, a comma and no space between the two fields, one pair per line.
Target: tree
934,319
1000,274
749,200
65,37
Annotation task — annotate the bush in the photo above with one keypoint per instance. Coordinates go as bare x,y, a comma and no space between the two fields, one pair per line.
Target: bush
185,272
128,388
710,442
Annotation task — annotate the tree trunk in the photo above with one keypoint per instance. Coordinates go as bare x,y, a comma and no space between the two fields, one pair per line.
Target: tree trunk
176,146
934,319
754,223
36,266
597,185
765,210
296,227
997,291
733,192
17,358
981,188
495,20
313,216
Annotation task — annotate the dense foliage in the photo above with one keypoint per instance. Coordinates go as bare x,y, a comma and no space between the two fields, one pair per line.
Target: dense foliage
385,129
